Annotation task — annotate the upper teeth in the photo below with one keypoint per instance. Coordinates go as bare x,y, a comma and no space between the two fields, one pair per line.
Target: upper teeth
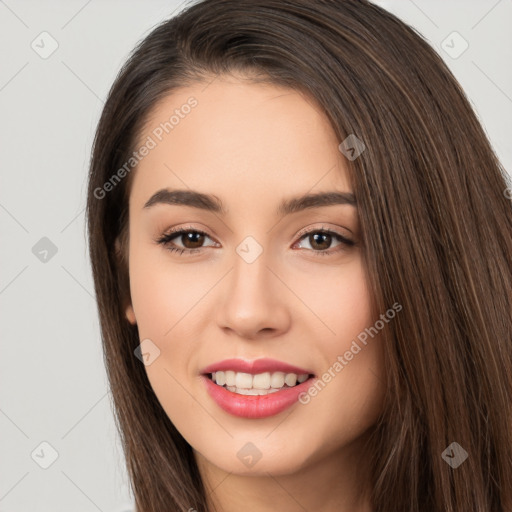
267,380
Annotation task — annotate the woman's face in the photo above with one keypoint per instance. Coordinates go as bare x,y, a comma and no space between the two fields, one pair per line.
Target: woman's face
252,279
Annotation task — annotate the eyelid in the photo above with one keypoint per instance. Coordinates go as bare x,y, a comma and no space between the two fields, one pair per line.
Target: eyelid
325,229
176,231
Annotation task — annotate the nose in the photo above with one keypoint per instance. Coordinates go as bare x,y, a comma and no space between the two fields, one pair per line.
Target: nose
254,301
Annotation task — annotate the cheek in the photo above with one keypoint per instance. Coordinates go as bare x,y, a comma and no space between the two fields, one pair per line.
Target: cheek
340,300
163,300
352,378
169,308
161,295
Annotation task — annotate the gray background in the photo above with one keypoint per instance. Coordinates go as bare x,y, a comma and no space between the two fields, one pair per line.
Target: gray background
53,384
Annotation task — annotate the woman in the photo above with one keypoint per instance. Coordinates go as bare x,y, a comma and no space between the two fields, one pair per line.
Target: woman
300,240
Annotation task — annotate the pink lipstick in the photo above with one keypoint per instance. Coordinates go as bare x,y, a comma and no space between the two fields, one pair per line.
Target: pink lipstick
255,389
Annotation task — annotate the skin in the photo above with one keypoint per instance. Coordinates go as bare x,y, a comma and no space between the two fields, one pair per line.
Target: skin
253,145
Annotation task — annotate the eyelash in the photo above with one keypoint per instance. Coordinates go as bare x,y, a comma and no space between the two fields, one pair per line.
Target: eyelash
165,240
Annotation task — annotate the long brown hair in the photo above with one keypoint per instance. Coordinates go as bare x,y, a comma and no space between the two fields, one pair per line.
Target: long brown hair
436,227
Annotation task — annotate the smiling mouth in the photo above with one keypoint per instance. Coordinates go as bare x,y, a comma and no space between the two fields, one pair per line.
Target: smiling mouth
258,384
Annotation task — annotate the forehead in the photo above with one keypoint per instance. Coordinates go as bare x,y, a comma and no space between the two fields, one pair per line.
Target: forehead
239,140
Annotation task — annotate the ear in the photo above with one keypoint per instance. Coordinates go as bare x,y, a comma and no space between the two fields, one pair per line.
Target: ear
129,312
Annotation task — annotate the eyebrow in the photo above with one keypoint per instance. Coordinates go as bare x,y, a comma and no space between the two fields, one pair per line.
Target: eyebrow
213,204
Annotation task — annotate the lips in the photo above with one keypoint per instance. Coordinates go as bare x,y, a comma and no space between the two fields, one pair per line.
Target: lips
254,367
255,407
261,401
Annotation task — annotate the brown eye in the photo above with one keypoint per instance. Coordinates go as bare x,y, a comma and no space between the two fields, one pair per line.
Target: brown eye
192,239
321,241
185,240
